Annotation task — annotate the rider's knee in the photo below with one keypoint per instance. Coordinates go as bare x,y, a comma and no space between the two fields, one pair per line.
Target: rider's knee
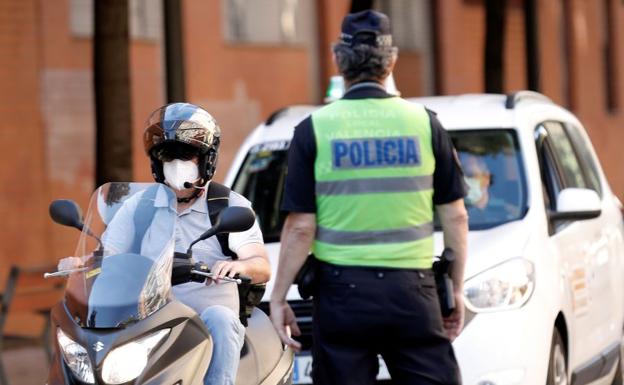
220,319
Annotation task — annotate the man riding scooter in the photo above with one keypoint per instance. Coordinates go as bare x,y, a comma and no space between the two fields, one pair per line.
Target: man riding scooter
182,141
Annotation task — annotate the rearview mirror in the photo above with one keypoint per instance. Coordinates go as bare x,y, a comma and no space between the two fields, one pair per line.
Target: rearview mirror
234,219
231,220
576,204
67,213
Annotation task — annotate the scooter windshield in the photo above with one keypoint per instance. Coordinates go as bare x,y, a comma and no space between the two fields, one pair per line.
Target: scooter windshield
127,248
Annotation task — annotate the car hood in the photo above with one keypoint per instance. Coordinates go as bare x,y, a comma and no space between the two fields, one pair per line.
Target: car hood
487,248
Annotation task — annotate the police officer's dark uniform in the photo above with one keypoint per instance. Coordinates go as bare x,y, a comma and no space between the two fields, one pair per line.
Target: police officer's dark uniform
371,166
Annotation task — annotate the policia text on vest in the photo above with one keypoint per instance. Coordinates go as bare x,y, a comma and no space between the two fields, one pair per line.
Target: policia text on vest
375,152
374,185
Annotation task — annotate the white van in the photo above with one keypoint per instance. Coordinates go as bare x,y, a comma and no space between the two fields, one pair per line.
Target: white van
545,273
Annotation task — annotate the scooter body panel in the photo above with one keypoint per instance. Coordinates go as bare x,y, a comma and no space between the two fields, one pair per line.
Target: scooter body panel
182,355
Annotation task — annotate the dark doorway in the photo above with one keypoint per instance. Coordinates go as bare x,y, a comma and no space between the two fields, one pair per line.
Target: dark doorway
532,44
360,5
111,76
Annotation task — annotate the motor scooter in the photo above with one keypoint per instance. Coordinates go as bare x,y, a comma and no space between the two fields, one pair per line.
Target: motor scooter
118,322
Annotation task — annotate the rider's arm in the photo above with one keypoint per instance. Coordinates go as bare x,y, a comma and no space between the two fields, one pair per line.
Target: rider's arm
253,260
116,238
119,233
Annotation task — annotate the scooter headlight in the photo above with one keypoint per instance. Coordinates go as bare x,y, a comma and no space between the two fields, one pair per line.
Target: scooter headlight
503,287
75,357
127,362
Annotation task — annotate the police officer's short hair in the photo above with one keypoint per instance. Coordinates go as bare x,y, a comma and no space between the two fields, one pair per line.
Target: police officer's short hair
363,61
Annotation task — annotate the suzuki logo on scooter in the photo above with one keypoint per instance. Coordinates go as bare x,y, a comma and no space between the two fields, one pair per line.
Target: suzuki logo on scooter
98,346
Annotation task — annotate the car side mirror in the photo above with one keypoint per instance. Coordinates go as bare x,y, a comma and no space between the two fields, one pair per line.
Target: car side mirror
232,219
576,204
67,213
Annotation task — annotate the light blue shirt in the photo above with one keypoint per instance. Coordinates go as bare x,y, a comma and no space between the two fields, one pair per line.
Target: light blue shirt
186,227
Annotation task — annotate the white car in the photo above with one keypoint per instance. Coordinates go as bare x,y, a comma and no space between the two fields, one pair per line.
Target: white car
545,272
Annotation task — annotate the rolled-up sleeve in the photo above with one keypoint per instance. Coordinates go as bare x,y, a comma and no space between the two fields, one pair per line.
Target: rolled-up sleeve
252,235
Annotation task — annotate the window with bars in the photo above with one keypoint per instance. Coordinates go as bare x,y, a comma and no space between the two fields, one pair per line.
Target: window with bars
412,24
145,19
267,21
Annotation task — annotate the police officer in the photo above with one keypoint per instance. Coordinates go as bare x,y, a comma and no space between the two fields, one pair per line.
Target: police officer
364,175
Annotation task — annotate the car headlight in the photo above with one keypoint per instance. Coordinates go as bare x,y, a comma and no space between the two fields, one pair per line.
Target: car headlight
75,357
503,287
127,362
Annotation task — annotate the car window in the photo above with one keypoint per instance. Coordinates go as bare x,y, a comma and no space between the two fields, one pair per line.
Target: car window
494,175
586,157
565,156
261,180
262,175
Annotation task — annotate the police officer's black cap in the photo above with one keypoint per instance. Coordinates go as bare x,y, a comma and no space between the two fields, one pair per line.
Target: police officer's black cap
366,27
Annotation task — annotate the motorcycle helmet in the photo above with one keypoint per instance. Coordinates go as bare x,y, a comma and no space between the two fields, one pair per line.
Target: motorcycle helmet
182,131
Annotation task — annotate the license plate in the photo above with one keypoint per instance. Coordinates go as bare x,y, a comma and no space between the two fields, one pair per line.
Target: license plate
302,370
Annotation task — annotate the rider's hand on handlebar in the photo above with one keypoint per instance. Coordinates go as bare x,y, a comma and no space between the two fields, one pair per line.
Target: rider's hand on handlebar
69,263
227,268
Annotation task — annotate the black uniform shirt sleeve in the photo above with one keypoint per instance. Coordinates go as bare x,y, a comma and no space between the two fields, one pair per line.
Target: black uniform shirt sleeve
299,193
448,177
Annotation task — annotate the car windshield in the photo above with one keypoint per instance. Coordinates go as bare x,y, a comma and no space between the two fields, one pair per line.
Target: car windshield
127,247
261,180
494,176
490,159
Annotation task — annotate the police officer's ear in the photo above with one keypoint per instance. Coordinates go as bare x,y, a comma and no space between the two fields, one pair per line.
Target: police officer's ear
394,60
390,68
333,56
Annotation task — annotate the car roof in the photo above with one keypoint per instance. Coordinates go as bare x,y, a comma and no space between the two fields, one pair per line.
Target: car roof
468,111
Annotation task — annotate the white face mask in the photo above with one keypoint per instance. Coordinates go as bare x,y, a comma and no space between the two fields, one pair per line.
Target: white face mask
177,172
474,190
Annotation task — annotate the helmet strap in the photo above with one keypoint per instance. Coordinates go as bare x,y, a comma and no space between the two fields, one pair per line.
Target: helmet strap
207,165
157,170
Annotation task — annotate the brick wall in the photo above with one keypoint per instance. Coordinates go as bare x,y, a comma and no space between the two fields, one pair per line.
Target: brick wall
22,180
47,129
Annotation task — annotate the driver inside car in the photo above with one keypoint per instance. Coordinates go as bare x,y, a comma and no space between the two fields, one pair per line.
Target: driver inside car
482,203
182,141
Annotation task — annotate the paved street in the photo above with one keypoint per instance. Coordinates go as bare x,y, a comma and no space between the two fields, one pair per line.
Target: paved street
25,366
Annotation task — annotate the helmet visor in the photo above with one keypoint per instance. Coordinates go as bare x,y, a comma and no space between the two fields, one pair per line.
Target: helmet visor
181,122
168,151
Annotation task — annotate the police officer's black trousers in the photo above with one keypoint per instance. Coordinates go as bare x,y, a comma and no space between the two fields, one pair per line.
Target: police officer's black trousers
362,312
